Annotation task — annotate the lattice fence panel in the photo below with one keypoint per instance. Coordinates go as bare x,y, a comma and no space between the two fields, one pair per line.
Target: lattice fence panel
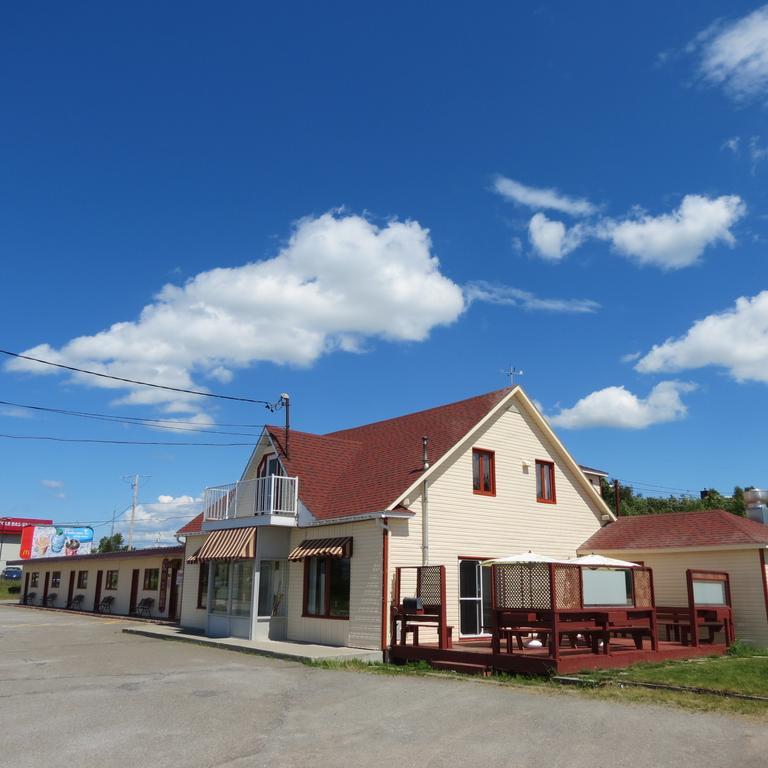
642,587
522,585
567,586
429,584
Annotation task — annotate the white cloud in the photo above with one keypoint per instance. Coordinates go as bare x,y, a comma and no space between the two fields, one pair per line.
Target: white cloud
734,55
733,144
630,357
494,293
676,240
618,408
52,483
542,199
339,281
156,523
551,239
736,339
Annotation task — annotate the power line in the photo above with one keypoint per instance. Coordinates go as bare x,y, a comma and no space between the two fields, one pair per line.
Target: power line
134,420
121,442
135,381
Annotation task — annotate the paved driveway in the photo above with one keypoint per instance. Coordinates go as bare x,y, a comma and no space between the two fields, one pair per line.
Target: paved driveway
76,692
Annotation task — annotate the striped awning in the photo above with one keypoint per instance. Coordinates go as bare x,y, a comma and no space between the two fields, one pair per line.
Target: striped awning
227,544
339,547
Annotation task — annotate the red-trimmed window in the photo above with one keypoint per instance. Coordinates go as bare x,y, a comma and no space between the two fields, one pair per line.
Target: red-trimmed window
483,472
545,482
326,587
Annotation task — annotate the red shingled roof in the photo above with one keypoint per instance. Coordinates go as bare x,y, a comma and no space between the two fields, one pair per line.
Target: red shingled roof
360,470
195,525
706,528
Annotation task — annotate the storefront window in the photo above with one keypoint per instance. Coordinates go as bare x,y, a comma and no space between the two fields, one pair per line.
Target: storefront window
220,587
202,586
272,575
242,587
326,590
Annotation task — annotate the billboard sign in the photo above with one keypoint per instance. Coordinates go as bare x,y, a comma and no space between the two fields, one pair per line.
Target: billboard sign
15,524
55,541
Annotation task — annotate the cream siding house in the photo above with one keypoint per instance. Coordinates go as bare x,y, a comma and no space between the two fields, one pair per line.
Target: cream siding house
364,490
713,540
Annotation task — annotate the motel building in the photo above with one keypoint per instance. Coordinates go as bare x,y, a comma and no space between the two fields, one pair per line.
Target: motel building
144,582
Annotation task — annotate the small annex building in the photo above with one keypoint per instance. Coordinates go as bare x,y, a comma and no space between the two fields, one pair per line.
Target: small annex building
10,537
83,581
305,545
714,540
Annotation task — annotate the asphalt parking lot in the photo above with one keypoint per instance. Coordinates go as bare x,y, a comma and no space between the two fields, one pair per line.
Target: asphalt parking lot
76,691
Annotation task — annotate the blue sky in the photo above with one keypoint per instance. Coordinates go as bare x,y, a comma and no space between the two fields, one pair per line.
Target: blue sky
377,210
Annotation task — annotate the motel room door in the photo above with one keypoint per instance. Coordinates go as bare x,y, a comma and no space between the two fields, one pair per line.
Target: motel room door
474,598
45,587
134,591
97,596
71,589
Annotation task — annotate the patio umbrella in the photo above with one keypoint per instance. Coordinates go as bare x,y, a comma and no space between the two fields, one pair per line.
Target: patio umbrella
597,560
523,557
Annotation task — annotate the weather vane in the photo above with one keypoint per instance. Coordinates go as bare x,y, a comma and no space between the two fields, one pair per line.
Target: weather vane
512,372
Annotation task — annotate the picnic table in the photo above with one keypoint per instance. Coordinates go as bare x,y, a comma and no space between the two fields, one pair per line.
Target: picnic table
596,625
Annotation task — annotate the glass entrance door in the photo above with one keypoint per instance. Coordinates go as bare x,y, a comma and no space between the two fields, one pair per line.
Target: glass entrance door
474,597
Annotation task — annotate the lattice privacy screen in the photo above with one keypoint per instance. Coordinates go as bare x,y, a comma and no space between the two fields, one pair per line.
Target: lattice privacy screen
522,585
568,586
642,588
429,581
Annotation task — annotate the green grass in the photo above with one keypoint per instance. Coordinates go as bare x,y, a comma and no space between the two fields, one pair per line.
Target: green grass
745,671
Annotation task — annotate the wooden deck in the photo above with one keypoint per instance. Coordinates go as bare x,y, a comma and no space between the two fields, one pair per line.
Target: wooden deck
477,655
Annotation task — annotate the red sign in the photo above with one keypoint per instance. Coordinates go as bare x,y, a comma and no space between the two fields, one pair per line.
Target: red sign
15,524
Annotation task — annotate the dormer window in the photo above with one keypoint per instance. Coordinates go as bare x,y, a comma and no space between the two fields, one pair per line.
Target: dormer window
483,472
269,465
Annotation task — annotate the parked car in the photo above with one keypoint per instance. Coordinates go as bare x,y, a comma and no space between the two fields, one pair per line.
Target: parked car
12,573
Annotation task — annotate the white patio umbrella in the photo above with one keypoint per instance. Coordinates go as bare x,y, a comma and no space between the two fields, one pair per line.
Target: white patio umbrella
596,560
523,557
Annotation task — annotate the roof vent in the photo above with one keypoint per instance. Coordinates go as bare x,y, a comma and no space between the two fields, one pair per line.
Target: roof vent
757,505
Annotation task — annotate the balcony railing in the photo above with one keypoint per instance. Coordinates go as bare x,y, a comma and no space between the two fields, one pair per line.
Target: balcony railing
273,495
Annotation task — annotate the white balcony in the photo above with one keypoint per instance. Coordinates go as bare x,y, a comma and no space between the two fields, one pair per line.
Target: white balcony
272,496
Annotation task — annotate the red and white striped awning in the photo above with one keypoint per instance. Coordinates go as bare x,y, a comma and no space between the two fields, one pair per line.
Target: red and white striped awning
338,547
227,544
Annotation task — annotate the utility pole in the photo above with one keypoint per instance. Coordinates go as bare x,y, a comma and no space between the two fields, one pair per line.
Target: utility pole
617,497
112,529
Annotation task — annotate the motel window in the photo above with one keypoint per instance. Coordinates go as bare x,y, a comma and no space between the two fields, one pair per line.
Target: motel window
483,472
202,586
82,579
545,482
151,579
111,582
55,579
35,579
326,587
